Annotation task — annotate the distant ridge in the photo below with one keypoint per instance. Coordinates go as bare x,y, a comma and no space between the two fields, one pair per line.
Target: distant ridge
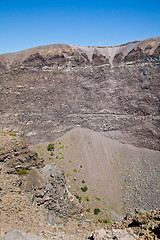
147,46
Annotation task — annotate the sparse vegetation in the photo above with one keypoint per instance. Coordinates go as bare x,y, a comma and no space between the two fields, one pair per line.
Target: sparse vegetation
52,153
13,134
88,210
96,211
50,147
62,147
79,198
84,189
98,199
22,171
83,181
104,221
79,224
67,174
86,198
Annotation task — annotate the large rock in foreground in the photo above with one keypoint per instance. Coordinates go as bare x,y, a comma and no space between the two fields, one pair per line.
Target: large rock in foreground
53,194
126,234
49,191
18,235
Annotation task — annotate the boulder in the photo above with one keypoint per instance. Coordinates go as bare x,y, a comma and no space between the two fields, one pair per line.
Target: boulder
18,235
125,234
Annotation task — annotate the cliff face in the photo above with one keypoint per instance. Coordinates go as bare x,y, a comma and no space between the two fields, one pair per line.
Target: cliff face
48,90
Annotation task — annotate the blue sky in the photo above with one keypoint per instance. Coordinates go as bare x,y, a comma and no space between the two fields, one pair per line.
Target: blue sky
30,23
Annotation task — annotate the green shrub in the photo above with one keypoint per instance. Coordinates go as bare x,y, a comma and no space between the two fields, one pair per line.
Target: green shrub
67,174
22,171
88,210
97,198
96,211
84,189
52,153
74,170
79,198
13,134
50,147
106,221
86,198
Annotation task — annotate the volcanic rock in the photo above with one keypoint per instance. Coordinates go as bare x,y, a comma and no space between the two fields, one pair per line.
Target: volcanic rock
18,235
49,90
15,155
146,224
126,234
50,191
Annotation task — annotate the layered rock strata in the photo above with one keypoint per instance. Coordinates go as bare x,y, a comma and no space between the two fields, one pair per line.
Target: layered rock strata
15,155
50,89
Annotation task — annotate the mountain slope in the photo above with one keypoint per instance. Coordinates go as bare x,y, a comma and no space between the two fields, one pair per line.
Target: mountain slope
48,90
119,177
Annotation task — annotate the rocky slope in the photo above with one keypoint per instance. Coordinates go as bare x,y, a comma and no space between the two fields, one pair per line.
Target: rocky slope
46,91
37,201
146,224
34,200
18,212
118,177
15,155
